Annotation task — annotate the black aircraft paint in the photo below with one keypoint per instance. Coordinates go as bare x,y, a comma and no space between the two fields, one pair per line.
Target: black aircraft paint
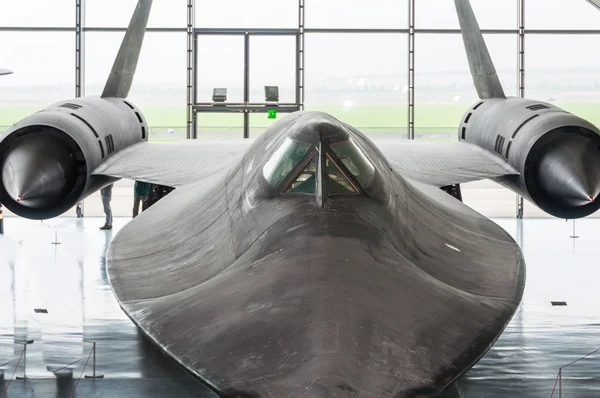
311,262
390,290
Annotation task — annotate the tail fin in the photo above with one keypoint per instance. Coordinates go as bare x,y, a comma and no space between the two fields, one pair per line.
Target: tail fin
121,75
484,74
5,72
595,3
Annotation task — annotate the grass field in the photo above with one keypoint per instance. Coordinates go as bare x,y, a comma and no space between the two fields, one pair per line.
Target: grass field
385,118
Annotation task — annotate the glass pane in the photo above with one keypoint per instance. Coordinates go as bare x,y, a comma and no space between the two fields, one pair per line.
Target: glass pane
43,73
283,160
218,126
388,14
221,64
117,13
273,63
359,79
247,14
355,161
337,182
561,14
306,182
160,79
445,90
436,14
56,13
561,71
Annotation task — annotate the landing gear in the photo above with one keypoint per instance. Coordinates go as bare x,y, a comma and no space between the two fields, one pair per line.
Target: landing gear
79,210
453,190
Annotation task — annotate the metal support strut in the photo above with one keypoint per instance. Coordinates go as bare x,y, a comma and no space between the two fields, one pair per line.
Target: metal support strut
94,375
24,344
79,65
521,78
191,125
411,69
246,84
300,57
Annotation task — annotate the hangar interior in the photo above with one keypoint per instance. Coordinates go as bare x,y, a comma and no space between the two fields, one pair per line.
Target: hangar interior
396,70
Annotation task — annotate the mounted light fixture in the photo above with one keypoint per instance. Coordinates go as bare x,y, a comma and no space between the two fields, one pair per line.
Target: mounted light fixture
219,95
272,94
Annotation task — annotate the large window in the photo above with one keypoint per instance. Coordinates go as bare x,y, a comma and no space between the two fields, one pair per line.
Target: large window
41,13
558,71
247,14
273,63
561,14
360,79
160,80
444,86
117,13
374,14
43,73
436,14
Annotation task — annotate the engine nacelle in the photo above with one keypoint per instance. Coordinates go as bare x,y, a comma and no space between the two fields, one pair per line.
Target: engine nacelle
47,159
556,152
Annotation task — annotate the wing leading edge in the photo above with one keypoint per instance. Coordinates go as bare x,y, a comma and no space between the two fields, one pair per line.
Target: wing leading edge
442,164
178,164
173,164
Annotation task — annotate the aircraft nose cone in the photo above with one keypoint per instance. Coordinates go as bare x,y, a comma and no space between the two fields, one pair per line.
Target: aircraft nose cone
570,171
34,172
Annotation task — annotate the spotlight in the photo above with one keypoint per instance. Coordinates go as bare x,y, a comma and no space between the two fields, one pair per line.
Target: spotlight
219,95
272,94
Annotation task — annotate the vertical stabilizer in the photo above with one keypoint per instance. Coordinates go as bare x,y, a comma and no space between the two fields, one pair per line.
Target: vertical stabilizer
595,3
484,74
121,75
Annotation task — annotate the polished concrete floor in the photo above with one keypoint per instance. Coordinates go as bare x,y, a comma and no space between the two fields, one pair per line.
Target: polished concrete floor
69,281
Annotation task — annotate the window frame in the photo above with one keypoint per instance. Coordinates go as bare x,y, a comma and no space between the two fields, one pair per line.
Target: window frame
287,183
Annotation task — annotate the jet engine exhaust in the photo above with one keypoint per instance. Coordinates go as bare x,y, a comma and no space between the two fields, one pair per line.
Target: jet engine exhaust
570,171
39,170
568,175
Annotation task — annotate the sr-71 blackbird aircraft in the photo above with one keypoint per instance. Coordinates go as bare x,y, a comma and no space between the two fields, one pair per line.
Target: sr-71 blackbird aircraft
312,261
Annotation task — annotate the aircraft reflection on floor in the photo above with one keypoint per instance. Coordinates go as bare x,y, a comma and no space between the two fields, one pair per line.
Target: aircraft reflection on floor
522,363
70,281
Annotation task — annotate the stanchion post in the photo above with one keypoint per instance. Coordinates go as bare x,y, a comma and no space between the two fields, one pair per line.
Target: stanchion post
25,344
1,221
94,375
574,236
560,383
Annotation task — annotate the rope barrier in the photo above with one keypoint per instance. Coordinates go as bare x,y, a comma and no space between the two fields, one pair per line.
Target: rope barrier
66,366
13,375
559,375
556,382
81,374
1,366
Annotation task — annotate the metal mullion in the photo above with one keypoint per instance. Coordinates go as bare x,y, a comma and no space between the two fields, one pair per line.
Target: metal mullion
190,69
521,78
411,69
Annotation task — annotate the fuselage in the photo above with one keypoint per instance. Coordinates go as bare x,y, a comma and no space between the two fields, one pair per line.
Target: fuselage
326,274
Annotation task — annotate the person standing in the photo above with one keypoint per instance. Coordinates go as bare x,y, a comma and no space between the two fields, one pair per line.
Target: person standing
141,190
106,194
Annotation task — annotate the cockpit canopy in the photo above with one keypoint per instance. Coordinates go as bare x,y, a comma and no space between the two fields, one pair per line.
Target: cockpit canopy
325,155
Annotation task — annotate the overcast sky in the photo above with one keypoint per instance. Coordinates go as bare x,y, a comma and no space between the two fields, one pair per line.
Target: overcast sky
42,58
